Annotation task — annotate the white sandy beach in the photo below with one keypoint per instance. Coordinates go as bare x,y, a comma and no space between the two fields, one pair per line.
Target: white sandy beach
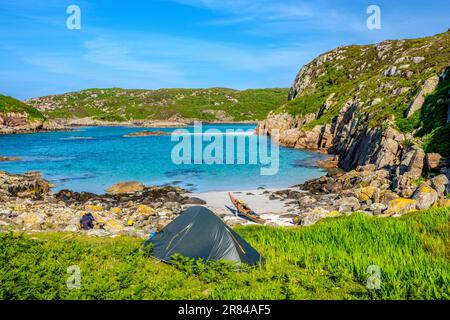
276,212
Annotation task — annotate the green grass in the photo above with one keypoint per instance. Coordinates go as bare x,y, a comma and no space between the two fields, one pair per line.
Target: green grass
326,261
9,104
117,104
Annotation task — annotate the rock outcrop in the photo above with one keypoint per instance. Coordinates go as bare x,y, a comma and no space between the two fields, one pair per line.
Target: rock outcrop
353,102
428,87
20,122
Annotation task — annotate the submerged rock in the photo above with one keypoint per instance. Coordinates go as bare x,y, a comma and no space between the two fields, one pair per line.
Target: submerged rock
147,133
9,159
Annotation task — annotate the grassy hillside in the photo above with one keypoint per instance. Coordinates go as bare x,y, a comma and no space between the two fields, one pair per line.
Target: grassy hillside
383,79
326,261
9,104
123,104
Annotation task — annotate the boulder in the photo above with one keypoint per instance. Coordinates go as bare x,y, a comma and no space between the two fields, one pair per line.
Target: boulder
433,161
126,187
366,193
387,196
400,206
409,170
145,210
33,220
425,196
439,183
348,204
311,217
306,200
329,163
377,208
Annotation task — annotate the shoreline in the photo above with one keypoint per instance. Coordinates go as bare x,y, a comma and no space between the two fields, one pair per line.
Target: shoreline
57,125
276,211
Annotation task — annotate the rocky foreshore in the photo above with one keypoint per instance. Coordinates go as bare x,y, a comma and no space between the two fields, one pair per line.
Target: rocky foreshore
366,190
131,208
27,204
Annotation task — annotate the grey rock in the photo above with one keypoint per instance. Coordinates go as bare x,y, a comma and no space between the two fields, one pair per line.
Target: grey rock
439,183
425,196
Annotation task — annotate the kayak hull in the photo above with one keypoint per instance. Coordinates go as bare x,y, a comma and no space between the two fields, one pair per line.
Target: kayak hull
245,211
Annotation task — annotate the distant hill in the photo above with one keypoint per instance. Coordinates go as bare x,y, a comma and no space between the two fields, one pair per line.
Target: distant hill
116,104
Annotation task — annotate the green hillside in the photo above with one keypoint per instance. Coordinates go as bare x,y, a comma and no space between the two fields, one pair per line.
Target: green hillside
9,104
380,81
117,104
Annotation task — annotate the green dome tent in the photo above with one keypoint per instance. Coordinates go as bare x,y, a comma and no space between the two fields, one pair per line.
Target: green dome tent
199,234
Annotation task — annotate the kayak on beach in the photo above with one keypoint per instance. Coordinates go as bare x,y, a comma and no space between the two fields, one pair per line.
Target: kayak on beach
243,209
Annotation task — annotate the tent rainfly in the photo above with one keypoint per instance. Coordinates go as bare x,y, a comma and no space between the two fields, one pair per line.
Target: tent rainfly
199,234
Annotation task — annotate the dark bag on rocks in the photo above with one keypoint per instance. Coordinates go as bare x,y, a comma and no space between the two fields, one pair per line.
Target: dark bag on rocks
87,222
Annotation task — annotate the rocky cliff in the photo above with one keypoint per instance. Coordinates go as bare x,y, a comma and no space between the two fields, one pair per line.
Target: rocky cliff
18,117
386,104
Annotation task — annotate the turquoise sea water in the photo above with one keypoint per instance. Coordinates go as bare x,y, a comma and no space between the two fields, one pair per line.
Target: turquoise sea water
93,158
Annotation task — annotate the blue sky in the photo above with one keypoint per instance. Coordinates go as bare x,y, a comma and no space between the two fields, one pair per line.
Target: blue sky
188,43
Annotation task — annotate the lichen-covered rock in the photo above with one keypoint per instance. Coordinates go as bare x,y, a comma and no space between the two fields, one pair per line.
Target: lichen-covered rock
145,210
366,193
387,196
312,216
440,184
349,204
400,206
126,187
425,196
445,203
